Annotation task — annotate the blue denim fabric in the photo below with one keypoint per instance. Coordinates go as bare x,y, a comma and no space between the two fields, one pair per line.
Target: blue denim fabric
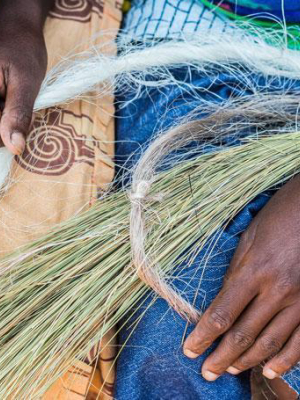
152,366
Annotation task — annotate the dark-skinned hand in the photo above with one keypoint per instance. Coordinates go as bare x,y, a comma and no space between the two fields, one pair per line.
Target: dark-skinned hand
23,61
257,312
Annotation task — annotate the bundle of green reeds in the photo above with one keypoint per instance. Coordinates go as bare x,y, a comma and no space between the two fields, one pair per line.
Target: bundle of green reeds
62,293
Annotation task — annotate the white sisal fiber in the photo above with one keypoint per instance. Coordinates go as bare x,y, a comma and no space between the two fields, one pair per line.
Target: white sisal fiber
73,285
141,183
96,74
268,110
5,163
76,77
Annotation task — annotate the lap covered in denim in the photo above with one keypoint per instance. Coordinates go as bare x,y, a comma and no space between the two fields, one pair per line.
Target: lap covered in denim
152,365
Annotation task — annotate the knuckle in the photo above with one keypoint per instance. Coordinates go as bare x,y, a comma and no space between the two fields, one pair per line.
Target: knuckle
246,238
269,345
220,320
241,339
244,363
295,351
18,115
204,343
284,362
284,285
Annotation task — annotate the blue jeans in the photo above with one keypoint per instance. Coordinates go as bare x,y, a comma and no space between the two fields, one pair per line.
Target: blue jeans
152,366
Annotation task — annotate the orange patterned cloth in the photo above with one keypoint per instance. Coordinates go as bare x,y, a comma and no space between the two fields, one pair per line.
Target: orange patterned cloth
89,381
68,157
66,163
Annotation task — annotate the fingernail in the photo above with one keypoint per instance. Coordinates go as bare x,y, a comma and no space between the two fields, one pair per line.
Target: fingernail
210,376
190,354
270,374
18,141
233,370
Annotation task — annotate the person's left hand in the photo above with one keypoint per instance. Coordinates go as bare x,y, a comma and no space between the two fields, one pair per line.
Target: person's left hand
258,308
23,62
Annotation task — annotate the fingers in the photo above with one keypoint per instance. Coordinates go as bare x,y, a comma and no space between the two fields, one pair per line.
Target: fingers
220,316
241,336
288,357
270,341
17,113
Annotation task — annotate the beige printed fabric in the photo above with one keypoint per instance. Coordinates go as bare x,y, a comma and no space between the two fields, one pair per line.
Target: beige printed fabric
68,157
66,163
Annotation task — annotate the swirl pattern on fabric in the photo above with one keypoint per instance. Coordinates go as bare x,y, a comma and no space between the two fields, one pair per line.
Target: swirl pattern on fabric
54,151
77,10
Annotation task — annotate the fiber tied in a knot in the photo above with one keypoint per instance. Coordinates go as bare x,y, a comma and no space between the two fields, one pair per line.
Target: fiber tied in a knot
140,190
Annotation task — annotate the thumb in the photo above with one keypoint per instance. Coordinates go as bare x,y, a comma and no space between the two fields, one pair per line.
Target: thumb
17,114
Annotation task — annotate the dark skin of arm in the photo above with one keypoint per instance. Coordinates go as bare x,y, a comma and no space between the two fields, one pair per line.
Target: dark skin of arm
257,312
23,62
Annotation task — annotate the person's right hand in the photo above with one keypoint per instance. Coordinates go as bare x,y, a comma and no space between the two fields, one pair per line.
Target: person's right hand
257,310
23,62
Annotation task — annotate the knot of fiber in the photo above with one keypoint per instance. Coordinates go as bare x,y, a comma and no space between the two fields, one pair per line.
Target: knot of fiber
140,191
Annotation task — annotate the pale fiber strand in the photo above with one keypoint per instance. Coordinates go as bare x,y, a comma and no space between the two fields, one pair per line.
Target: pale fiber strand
40,299
94,72
73,285
142,178
75,78
144,175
